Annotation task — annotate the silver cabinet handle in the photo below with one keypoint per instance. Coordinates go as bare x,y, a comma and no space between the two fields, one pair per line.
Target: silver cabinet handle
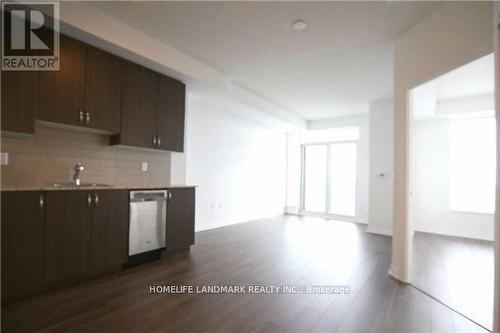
169,195
87,118
41,202
80,116
89,200
96,199
159,141
155,141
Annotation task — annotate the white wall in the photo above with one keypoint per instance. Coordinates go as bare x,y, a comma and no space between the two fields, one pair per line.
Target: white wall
294,162
381,162
430,206
238,165
454,34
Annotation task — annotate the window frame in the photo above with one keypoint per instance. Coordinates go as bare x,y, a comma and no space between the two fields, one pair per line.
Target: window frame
326,213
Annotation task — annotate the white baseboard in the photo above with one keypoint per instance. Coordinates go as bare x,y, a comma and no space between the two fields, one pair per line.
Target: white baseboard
456,233
392,273
292,210
224,223
379,230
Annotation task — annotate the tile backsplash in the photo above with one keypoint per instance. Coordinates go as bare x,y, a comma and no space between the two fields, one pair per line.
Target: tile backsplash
49,157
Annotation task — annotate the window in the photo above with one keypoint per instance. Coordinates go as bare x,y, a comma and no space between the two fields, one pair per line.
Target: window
315,178
329,184
472,165
343,178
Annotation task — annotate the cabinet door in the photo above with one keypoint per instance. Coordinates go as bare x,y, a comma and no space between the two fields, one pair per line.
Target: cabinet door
139,106
61,93
109,247
180,219
22,243
171,110
103,90
149,105
18,101
67,234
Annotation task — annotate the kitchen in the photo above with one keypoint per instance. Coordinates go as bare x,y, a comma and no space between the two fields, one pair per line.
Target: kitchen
79,206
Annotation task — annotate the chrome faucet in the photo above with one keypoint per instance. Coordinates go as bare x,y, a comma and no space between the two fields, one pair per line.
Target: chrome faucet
76,177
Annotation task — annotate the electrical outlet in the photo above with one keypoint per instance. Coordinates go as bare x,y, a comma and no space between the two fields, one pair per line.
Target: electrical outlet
4,158
144,166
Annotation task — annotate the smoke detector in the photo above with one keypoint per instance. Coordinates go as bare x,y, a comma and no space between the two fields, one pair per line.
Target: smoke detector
299,25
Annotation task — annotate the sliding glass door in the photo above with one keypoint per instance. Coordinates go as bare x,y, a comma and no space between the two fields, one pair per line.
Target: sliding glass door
315,178
329,178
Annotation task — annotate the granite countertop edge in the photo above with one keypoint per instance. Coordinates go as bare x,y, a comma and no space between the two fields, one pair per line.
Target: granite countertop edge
91,188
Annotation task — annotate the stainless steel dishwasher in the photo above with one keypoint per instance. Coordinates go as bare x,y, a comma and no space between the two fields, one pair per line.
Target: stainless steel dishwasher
148,217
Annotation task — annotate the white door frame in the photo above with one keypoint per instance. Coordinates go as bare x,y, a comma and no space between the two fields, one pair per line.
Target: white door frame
496,311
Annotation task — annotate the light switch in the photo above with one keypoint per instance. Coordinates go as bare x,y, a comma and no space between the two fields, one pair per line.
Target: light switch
4,159
144,166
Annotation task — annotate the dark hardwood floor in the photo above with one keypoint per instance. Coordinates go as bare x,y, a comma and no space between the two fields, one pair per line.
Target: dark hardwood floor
458,272
280,250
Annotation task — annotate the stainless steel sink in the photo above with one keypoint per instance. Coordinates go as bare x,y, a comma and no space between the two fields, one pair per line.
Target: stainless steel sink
83,185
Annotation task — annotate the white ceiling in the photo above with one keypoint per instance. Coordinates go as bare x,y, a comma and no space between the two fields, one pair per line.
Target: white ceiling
335,67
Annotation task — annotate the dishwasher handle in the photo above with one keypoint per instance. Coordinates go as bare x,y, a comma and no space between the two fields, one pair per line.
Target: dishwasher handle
144,196
147,199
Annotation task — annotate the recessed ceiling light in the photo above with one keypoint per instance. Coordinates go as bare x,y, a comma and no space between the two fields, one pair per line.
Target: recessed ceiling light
299,25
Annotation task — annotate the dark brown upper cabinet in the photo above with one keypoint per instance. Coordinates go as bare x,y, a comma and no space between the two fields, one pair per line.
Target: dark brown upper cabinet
85,91
180,219
95,89
19,101
139,104
153,108
171,113
22,243
102,90
61,93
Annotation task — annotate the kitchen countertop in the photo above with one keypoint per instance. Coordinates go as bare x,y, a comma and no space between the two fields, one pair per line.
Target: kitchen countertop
90,188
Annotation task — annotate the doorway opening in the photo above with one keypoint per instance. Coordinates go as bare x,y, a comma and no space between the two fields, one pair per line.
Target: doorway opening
452,189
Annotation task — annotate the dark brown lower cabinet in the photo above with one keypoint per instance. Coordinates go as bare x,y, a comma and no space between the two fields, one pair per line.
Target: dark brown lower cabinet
67,235
86,233
53,238
180,219
109,240
22,243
